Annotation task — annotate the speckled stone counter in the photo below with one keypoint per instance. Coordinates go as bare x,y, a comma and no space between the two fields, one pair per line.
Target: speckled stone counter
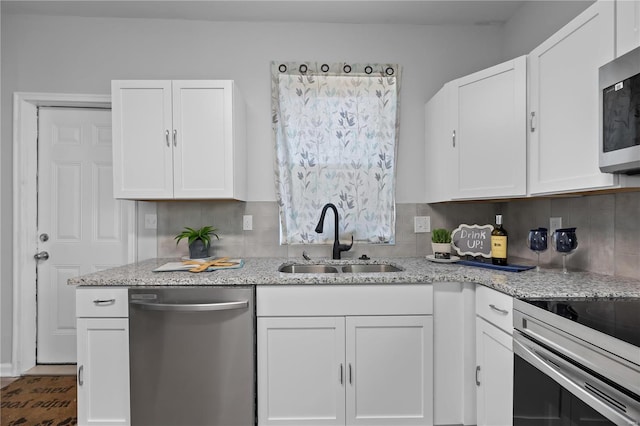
548,283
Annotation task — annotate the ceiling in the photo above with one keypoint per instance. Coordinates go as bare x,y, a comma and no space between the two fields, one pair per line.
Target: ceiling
412,12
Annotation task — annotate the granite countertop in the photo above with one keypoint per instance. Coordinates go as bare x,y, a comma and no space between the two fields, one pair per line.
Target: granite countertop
548,283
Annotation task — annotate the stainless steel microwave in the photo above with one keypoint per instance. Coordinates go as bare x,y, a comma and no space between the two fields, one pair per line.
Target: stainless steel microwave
619,148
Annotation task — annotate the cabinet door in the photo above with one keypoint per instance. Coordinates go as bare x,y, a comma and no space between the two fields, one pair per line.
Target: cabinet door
627,26
494,375
563,138
439,147
103,371
301,371
490,110
203,139
389,370
142,145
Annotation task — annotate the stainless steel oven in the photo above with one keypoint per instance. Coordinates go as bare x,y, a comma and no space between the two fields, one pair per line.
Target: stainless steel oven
576,362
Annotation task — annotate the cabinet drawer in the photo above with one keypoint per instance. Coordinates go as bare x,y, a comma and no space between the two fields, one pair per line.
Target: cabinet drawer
322,300
495,307
102,302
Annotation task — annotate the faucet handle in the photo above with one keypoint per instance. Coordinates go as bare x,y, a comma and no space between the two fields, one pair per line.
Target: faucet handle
346,247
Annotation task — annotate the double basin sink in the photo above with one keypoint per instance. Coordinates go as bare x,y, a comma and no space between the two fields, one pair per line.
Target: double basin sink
354,268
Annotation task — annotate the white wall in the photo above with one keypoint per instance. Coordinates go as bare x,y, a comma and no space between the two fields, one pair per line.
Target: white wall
82,55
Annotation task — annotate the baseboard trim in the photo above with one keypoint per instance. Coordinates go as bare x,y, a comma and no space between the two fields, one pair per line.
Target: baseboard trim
6,369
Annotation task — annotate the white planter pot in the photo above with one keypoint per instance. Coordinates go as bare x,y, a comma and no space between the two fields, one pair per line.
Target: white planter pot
441,250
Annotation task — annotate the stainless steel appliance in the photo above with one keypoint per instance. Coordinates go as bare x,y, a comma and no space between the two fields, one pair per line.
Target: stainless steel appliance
576,362
620,114
192,356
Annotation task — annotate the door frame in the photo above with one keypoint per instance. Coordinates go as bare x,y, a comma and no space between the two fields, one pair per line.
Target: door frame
25,168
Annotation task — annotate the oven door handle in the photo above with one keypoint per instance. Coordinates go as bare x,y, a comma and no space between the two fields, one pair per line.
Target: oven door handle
191,307
555,371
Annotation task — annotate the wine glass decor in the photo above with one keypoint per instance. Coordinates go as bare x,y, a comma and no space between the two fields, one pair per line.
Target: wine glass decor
537,242
564,241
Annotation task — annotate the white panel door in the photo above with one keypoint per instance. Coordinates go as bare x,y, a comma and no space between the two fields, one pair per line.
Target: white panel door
103,371
203,151
490,110
627,26
389,370
142,139
301,371
494,375
442,165
80,225
563,76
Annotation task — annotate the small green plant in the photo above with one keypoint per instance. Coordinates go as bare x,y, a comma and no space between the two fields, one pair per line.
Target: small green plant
440,235
204,234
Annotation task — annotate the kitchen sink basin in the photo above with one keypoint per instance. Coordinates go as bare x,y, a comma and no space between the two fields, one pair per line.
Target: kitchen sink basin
308,269
304,268
370,268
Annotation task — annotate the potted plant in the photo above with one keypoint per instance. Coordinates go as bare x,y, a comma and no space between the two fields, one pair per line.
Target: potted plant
199,240
441,243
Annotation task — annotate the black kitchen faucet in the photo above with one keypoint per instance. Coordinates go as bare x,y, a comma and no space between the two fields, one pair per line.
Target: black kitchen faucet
337,247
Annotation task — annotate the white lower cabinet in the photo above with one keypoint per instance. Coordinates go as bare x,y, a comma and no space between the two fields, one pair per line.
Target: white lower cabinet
103,357
346,369
494,358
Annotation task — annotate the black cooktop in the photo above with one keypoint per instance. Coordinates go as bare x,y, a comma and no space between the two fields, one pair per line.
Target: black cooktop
619,318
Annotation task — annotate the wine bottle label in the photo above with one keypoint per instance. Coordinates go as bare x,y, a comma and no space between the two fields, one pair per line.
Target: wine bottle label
499,246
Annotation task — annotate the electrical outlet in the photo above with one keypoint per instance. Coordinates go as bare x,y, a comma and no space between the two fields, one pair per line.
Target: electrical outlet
421,224
247,222
150,221
554,223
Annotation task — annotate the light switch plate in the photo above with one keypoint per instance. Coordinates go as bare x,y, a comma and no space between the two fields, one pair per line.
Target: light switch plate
421,224
150,221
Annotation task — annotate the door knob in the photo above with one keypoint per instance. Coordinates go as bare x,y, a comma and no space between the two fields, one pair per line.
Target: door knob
43,255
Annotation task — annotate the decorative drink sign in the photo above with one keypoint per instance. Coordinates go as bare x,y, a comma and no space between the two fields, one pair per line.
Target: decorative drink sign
472,240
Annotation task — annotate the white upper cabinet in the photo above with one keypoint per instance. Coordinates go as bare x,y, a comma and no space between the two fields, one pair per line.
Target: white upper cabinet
475,130
627,25
439,146
564,105
490,142
178,139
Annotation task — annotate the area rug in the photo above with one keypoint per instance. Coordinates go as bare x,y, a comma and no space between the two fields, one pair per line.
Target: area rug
39,401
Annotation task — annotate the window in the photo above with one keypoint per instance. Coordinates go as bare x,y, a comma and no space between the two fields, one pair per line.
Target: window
335,128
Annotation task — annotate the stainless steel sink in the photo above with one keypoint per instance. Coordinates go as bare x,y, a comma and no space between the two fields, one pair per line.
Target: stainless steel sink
308,269
305,268
370,268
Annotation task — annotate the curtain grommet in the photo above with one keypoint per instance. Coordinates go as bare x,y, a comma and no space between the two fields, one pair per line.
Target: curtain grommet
282,68
389,71
324,67
346,69
303,68
368,69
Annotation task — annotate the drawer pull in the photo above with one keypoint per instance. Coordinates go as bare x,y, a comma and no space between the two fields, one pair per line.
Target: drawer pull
104,301
477,374
495,308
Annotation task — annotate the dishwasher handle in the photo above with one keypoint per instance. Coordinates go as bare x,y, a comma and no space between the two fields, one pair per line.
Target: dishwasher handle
191,307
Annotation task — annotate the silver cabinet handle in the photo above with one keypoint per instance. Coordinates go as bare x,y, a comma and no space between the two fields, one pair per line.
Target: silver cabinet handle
104,301
350,374
175,137
453,138
191,307
341,374
495,308
43,255
532,121
477,374
166,137
80,375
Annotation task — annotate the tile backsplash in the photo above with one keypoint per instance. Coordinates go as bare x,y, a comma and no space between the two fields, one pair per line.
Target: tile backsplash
608,229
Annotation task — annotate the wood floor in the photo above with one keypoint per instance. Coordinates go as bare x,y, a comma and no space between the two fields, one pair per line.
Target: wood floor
43,370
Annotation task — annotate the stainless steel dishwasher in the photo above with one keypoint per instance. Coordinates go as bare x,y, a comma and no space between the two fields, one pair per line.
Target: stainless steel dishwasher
192,356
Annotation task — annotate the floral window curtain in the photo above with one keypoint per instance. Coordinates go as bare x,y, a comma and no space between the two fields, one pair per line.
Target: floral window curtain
335,128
